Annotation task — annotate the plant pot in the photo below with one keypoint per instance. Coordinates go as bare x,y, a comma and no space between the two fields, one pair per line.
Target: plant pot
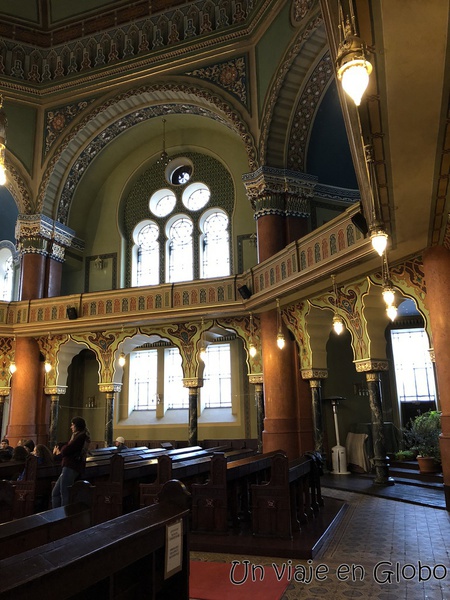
427,464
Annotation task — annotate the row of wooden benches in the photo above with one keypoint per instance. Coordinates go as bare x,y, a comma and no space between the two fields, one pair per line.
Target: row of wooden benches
226,488
44,551
60,554
32,493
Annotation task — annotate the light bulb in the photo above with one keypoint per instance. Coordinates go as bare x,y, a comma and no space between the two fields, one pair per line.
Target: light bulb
391,312
122,360
355,78
2,174
388,295
280,340
252,350
202,354
338,325
379,240
47,366
12,367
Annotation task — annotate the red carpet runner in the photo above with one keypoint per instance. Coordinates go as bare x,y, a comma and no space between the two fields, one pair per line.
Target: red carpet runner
236,581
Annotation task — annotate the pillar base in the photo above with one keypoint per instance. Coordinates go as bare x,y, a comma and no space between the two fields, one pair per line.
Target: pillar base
447,497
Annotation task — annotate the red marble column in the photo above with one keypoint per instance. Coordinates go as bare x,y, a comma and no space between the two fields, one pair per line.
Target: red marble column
281,427
53,277
24,391
32,276
436,264
271,235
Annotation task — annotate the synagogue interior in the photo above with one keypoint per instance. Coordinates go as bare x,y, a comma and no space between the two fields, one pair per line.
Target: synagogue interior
205,237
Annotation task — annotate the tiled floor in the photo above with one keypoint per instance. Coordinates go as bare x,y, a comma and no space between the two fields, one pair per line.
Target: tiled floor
382,549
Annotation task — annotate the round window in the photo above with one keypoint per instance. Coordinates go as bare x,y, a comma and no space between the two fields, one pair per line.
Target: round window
179,171
162,202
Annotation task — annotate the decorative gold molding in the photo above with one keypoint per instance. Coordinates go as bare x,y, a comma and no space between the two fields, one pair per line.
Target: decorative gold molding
192,382
256,378
371,364
109,387
314,374
55,390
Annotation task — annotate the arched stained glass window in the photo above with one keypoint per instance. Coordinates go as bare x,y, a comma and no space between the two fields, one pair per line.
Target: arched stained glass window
147,254
215,245
180,265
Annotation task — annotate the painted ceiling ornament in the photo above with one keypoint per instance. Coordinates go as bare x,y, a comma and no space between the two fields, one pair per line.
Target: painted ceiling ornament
300,9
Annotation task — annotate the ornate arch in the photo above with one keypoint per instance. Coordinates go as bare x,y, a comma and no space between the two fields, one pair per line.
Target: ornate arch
126,110
300,84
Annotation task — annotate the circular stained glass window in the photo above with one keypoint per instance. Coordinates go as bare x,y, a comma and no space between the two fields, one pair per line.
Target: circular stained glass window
196,196
162,202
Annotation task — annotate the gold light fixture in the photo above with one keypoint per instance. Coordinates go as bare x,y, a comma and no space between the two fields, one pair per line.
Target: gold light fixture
338,324
391,312
3,124
388,290
164,158
251,347
98,263
378,234
379,239
122,360
280,337
202,351
353,68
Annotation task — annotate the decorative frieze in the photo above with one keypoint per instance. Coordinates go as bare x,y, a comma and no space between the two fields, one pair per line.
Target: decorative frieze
314,376
371,365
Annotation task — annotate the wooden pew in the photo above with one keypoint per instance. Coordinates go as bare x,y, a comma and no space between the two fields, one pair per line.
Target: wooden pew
225,496
42,528
278,506
188,470
118,481
123,558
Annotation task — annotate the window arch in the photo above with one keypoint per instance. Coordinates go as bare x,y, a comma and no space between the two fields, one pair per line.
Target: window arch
215,247
157,198
146,254
180,248
6,274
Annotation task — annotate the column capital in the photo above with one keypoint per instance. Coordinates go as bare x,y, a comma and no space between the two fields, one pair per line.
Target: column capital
55,390
282,192
38,234
109,387
192,382
314,374
255,378
371,364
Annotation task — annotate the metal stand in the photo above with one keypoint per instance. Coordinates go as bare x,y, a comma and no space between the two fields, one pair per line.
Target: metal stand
338,452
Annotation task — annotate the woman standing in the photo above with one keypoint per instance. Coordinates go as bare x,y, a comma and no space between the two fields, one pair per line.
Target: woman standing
73,461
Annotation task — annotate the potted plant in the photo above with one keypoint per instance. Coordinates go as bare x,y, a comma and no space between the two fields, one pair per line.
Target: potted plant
422,436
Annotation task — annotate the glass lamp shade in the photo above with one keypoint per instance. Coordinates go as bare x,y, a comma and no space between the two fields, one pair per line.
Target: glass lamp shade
252,350
280,340
47,366
388,295
338,325
391,312
122,360
12,367
379,240
355,78
202,354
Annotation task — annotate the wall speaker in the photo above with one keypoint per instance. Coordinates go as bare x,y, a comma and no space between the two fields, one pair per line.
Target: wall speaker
360,223
72,313
244,292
